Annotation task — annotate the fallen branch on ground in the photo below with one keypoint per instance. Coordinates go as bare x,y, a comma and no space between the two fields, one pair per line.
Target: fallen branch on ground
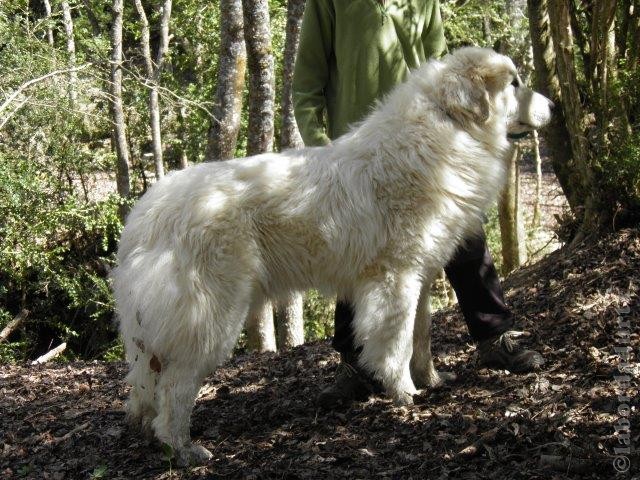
13,324
50,354
70,433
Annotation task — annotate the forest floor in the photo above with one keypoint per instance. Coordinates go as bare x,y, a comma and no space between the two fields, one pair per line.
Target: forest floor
257,413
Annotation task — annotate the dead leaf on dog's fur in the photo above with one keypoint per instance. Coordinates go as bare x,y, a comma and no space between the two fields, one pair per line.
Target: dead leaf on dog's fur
155,365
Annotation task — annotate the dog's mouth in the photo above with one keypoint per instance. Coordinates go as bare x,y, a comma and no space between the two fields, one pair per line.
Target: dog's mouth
519,127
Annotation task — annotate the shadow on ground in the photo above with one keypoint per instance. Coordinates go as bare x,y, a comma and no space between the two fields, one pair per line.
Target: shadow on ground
257,414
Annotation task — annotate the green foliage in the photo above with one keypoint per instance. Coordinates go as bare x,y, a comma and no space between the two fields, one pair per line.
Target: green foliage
618,170
56,249
115,352
318,316
477,23
57,236
99,472
620,176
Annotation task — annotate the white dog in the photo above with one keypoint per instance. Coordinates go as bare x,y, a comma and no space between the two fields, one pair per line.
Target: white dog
371,217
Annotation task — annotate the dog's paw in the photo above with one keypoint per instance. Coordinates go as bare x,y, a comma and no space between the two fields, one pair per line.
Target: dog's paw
193,455
433,380
141,424
402,399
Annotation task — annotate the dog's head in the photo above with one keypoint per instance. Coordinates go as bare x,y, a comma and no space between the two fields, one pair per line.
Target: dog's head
479,87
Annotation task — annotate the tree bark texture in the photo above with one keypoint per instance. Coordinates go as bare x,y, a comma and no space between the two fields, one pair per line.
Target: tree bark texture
182,132
609,107
538,161
289,321
560,21
289,135
633,57
260,329
257,34
71,53
547,83
117,110
47,9
154,70
223,133
514,250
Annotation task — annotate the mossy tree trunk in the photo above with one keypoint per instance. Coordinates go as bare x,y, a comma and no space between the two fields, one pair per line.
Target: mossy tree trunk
222,137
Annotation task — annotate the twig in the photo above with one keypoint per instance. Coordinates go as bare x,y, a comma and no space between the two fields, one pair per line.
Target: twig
566,464
19,105
535,254
50,354
13,324
70,433
164,90
472,450
33,81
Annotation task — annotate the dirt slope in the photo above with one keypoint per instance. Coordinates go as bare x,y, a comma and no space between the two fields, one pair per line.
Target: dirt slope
257,414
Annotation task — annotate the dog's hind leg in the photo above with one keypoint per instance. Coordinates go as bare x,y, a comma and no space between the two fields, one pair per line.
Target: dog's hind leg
177,388
141,406
423,371
385,311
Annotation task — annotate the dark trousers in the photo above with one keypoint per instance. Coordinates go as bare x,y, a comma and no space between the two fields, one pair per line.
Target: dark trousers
474,278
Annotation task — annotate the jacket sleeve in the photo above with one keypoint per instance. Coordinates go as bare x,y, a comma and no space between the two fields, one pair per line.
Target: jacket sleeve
311,72
433,40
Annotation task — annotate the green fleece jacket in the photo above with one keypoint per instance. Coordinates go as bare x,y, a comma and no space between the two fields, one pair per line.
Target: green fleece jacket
352,52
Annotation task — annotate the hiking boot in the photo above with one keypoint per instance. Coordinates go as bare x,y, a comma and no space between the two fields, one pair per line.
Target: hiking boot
504,353
351,384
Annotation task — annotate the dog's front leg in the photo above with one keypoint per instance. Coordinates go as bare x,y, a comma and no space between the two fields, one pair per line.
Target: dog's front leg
385,311
423,371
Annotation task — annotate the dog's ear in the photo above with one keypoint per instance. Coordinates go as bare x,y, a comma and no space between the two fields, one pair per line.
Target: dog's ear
496,77
465,98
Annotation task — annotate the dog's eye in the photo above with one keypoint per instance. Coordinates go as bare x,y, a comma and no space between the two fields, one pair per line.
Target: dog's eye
515,82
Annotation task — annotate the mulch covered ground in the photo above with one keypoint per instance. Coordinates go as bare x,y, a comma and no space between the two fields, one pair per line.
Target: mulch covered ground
257,414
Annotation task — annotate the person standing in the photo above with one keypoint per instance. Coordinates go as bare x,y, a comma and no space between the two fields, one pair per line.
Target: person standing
352,53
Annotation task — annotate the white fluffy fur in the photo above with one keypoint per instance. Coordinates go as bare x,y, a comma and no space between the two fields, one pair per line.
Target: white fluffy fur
371,217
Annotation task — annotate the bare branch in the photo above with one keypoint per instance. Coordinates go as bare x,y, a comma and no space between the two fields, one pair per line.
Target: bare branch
34,81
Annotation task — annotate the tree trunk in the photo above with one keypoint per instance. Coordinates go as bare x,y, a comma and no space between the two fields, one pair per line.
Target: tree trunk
117,111
289,316
223,132
260,330
153,77
182,132
47,9
289,135
289,322
71,52
560,21
514,251
547,83
536,155
257,35
633,57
